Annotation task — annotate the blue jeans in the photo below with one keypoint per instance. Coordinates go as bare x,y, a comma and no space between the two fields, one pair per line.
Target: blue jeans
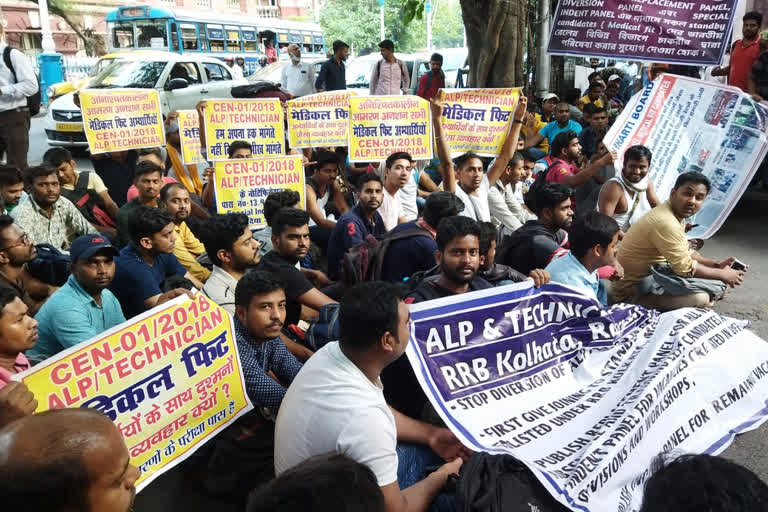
412,460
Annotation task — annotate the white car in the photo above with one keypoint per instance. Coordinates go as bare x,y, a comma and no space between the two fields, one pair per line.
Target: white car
181,80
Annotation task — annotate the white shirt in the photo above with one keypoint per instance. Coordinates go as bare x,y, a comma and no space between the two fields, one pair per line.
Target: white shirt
390,209
298,79
408,195
14,94
475,206
506,209
332,407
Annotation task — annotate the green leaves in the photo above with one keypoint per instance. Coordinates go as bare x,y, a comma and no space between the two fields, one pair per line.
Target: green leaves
413,9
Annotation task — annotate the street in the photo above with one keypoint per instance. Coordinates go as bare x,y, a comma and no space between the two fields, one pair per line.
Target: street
744,236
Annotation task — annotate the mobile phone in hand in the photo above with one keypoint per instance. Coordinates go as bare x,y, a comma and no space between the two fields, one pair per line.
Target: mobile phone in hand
737,265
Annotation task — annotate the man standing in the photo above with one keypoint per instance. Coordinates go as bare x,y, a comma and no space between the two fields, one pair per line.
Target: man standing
630,195
83,307
562,122
232,250
468,181
148,179
332,76
744,52
397,172
174,198
433,80
356,224
17,81
298,77
336,405
45,216
390,75
659,238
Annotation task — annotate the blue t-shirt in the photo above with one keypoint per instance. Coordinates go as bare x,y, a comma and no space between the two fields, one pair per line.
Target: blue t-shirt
407,256
136,281
70,316
351,229
551,130
569,270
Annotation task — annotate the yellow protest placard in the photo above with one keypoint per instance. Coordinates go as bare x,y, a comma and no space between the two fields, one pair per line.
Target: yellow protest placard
121,119
319,120
170,379
477,120
189,136
242,185
258,122
382,125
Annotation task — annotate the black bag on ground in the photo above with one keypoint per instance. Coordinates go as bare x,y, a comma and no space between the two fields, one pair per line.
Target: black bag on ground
501,483
51,266
33,102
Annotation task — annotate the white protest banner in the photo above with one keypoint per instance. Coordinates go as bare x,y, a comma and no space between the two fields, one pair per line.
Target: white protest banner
693,125
586,397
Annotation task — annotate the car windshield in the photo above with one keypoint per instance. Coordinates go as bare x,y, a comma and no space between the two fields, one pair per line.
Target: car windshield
129,73
359,73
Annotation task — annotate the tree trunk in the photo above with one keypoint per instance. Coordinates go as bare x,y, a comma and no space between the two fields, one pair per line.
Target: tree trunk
496,40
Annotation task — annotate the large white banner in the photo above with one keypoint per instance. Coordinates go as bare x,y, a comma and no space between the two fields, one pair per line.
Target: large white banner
693,125
586,397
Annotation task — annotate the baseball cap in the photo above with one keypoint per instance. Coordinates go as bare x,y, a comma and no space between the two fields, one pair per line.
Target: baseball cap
550,96
87,245
614,77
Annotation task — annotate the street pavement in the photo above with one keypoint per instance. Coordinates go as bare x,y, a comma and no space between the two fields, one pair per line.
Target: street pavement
744,236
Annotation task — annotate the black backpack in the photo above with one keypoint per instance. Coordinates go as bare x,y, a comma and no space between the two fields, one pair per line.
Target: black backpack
501,483
51,266
33,102
90,204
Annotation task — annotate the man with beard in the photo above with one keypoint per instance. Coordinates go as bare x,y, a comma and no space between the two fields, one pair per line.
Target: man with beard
321,189
232,250
18,334
744,52
290,239
537,242
562,122
397,172
148,179
174,198
66,459
630,195
45,216
332,76
658,263
468,181
83,307
356,224
16,250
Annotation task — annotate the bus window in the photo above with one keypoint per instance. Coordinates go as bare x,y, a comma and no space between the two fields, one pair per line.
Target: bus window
318,40
233,39
306,45
152,33
174,38
203,38
189,37
250,43
283,41
122,35
216,38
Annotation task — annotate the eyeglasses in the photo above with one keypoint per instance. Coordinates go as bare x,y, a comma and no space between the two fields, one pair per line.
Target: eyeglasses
23,240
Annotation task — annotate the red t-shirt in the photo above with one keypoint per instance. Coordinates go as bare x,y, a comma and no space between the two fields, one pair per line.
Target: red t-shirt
742,59
558,171
438,82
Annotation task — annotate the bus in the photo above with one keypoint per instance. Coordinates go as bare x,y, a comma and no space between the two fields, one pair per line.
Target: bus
219,35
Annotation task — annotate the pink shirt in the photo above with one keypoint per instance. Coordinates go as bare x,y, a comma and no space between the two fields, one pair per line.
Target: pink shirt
391,78
21,364
134,193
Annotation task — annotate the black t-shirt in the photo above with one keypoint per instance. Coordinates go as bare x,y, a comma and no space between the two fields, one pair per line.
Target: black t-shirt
296,284
117,176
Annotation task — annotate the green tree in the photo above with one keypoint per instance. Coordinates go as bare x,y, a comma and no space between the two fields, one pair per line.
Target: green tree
93,43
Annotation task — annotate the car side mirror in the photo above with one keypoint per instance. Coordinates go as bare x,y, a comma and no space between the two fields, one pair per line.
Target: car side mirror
177,83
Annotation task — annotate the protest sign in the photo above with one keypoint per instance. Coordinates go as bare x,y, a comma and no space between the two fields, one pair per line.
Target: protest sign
189,137
241,185
586,397
319,120
382,125
477,120
258,122
694,125
121,119
691,33
170,379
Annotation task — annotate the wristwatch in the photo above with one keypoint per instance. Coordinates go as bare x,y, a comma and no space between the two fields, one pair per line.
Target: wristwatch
517,121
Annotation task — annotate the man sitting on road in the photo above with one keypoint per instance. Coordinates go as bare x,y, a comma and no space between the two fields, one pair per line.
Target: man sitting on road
397,172
562,123
175,199
336,405
272,204
148,181
11,188
145,264
496,273
47,217
507,212
630,195
660,270
594,133
321,189
232,250
83,307
18,334
540,241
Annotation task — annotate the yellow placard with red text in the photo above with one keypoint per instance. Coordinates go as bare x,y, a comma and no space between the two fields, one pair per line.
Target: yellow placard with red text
382,125
242,185
189,137
121,119
477,120
170,379
258,122
319,120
